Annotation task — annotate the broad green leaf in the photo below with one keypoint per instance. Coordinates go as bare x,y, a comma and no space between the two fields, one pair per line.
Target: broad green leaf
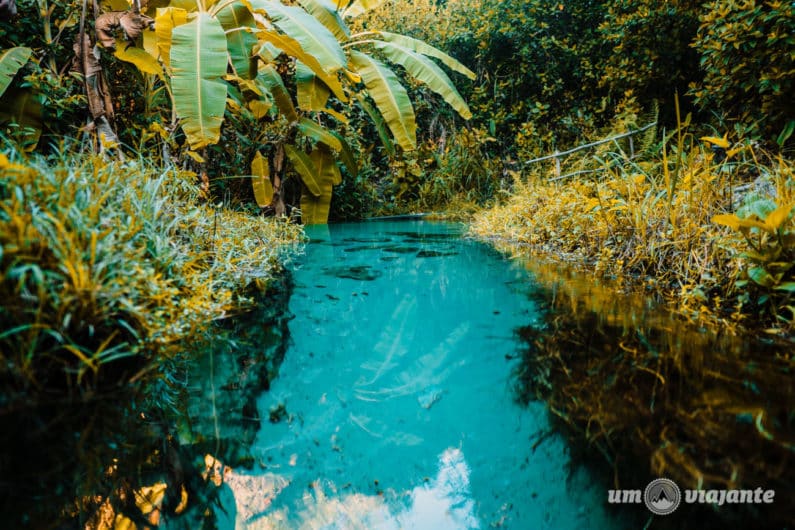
390,98
328,15
379,123
21,106
314,38
272,82
318,133
293,48
346,155
786,286
314,210
777,217
305,168
11,61
424,48
238,23
428,72
145,63
199,59
166,19
761,277
311,93
260,180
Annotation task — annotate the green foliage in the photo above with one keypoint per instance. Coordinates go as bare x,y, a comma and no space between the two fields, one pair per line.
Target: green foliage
747,52
110,274
11,61
769,278
460,171
198,60
650,52
44,98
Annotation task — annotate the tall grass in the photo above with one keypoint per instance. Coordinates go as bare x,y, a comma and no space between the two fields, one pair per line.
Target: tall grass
650,218
110,276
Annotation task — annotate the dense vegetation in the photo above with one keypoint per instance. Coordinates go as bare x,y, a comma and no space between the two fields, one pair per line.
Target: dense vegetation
143,142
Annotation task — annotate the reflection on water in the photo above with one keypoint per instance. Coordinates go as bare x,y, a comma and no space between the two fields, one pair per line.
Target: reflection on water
441,503
394,406
659,398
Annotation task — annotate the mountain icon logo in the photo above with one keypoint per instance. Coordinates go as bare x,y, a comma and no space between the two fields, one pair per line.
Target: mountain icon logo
662,496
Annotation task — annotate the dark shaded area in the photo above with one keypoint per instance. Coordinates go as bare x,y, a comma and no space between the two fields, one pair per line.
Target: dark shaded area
226,379
354,272
60,461
401,250
435,253
419,237
646,398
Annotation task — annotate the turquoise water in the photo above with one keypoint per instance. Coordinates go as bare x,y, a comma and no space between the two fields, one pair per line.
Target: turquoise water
394,407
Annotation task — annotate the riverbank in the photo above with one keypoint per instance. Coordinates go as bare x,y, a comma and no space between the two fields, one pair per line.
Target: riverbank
712,235
114,276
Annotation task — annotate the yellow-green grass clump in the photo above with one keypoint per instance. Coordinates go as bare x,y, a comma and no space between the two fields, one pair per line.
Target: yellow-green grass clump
101,261
664,219
111,275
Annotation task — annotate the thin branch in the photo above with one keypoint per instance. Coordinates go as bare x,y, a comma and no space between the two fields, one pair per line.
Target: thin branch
594,144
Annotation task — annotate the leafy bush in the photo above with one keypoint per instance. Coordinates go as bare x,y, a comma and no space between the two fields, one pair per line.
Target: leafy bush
650,48
747,55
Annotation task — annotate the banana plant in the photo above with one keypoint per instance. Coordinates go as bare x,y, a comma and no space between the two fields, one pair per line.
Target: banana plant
206,48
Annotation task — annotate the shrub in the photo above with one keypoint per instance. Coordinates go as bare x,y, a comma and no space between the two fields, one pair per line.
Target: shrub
747,55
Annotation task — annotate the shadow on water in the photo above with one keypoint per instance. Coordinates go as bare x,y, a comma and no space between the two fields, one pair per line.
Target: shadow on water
643,395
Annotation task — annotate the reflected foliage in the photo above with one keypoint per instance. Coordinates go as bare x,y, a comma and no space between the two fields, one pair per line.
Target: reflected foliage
650,396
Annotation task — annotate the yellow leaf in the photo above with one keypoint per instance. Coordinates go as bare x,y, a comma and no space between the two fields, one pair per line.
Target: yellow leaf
139,57
196,156
340,117
353,76
150,498
166,20
723,142
259,108
732,221
260,181
777,217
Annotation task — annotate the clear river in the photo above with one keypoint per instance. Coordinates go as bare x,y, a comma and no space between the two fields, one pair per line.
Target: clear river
395,405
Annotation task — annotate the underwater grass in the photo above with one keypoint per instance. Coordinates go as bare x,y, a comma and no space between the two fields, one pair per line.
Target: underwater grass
111,274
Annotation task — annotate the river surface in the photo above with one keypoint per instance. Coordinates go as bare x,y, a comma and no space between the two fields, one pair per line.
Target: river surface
395,404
